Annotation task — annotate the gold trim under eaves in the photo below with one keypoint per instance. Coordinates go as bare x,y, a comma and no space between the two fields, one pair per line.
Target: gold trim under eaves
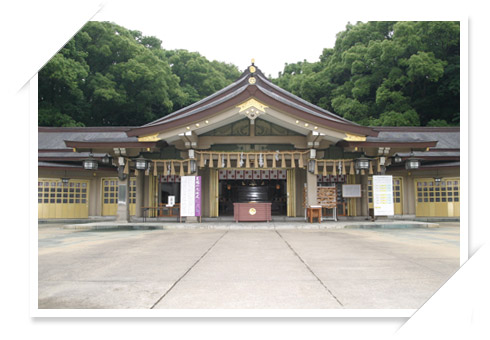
354,138
252,103
149,138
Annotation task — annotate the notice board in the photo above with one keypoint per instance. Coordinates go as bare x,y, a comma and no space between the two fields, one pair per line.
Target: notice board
351,190
327,197
190,196
383,196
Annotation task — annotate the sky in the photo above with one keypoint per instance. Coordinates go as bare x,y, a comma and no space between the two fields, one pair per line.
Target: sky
271,32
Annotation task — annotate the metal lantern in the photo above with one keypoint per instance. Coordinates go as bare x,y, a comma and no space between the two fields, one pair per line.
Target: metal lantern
90,164
362,163
397,159
106,159
141,163
412,163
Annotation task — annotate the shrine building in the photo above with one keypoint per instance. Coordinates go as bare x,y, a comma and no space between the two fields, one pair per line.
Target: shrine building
249,142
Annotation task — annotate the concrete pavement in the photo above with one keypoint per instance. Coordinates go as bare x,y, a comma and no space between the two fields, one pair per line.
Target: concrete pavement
212,268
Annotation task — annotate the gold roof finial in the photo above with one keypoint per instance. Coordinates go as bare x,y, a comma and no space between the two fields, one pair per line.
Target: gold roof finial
253,61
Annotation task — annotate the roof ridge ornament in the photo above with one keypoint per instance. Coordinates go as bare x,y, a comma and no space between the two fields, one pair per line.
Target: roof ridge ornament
252,68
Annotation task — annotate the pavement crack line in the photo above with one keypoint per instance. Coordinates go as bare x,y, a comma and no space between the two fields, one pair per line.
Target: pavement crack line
188,270
309,269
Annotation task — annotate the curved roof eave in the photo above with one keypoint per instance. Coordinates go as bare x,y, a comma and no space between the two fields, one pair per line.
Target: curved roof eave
223,92
272,93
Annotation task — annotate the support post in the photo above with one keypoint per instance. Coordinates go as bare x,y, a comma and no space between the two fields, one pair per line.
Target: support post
122,214
311,189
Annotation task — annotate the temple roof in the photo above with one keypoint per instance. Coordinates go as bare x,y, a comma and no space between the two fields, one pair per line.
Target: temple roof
253,84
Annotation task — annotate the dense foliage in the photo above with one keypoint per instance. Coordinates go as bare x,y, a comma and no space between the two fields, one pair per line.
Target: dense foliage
378,73
385,73
108,75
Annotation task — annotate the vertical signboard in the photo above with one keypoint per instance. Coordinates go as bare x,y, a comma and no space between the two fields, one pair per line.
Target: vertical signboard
190,196
383,196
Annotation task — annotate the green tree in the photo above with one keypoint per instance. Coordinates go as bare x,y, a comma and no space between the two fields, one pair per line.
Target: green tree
108,75
385,73
198,76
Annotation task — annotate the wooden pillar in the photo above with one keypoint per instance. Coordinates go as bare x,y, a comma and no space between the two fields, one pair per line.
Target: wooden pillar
364,198
140,191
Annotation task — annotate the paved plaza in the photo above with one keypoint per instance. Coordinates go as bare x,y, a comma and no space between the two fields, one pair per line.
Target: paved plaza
273,268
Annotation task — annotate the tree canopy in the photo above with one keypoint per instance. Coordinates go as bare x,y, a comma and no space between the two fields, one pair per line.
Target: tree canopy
378,73
108,75
385,73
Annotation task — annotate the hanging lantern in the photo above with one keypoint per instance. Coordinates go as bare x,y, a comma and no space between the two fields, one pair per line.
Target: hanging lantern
106,159
362,163
90,163
412,163
141,163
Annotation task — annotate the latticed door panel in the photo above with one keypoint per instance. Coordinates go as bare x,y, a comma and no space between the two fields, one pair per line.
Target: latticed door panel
110,196
437,198
62,200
